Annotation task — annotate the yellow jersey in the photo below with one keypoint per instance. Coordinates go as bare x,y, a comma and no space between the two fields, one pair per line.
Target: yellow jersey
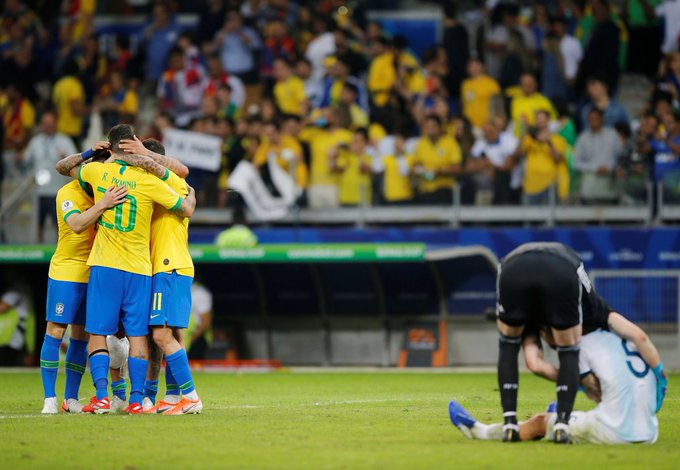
397,186
353,181
288,143
434,156
68,89
527,106
124,232
541,170
170,236
476,94
382,75
321,142
69,262
290,95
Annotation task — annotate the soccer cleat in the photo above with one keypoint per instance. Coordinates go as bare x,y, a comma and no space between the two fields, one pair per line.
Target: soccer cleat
461,418
135,409
185,407
160,407
98,407
552,407
511,433
118,404
562,435
71,405
50,406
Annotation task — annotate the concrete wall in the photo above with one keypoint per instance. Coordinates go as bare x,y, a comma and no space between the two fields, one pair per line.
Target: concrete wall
470,343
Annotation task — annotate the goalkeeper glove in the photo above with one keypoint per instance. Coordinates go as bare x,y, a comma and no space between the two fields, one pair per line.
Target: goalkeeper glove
661,385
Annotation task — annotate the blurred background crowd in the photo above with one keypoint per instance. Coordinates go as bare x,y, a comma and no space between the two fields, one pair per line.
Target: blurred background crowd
517,103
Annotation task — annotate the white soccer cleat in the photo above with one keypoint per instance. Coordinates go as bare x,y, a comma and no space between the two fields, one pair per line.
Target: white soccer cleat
147,404
50,407
71,406
118,405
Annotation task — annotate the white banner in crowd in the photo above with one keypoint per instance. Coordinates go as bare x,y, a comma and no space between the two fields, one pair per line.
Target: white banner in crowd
194,149
263,206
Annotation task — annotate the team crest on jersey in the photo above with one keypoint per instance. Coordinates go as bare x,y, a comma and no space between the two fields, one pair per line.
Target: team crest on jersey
66,206
59,309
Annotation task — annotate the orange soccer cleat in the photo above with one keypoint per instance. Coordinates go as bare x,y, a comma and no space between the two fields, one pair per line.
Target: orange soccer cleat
186,407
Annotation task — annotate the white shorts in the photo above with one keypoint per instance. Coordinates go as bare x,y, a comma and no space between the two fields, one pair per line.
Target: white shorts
586,427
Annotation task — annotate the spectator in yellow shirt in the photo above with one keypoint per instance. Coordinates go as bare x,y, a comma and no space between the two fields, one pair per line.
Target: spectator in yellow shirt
284,150
525,105
323,137
382,73
289,90
411,76
351,115
397,187
436,162
477,93
353,164
68,96
545,164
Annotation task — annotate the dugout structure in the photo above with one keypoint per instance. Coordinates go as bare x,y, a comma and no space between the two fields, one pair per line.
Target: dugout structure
326,304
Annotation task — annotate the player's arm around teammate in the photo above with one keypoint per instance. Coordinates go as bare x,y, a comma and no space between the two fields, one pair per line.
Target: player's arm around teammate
147,163
80,222
136,146
69,166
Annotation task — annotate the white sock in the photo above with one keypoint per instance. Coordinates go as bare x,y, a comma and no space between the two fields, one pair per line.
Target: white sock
487,432
171,399
193,396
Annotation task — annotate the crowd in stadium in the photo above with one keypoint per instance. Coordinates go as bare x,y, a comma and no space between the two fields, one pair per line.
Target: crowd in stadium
508,112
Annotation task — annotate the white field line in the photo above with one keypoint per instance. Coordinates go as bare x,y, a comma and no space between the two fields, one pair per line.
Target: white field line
291,405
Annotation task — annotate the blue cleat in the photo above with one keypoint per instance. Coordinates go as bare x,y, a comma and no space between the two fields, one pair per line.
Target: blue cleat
461,418
552,407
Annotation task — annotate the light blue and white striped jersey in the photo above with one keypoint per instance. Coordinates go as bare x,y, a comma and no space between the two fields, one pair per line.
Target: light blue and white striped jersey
628,385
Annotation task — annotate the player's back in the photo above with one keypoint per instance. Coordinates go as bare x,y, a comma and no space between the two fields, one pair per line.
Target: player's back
69,262
170,236
627,383
554,248
123,236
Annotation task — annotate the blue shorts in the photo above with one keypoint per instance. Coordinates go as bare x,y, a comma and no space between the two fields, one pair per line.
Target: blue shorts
114,295
171,302
66,302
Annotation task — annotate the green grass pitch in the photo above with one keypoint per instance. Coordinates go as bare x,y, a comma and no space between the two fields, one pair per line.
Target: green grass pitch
309,420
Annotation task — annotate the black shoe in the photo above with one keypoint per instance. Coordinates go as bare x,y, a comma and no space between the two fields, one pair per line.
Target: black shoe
562,436
511,434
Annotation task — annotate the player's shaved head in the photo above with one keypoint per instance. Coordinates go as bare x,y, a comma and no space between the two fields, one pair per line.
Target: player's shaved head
118,133
154,145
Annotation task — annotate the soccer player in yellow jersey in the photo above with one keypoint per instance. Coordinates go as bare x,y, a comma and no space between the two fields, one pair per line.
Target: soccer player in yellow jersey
173,273
119,288
67,288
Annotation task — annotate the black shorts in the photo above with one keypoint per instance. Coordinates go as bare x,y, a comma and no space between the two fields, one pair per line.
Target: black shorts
537,289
